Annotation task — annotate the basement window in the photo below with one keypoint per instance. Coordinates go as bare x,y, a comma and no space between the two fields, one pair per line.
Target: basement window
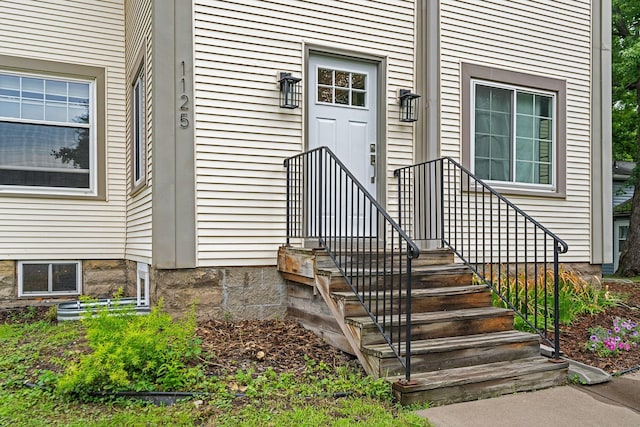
41,278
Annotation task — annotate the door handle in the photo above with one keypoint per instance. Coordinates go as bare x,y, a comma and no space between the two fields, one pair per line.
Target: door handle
372,161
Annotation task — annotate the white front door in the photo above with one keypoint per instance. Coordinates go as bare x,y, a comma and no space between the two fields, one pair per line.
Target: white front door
342,108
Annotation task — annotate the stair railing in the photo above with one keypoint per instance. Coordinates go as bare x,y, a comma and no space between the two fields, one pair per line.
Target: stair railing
326,202
507,249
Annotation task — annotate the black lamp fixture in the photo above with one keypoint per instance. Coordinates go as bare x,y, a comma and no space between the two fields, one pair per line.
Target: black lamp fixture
289,91
409,106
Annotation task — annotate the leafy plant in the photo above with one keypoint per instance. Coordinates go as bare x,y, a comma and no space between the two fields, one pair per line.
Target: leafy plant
132,352
610,342
533,296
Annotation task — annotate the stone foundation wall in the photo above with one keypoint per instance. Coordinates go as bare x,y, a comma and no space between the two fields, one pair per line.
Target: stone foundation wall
8,281
102,278
236,293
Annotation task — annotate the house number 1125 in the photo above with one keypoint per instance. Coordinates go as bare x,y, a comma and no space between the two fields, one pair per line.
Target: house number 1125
183,115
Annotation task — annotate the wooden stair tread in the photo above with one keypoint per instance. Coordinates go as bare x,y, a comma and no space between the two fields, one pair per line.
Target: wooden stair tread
479,373
418,271
447,344
434,316
445,291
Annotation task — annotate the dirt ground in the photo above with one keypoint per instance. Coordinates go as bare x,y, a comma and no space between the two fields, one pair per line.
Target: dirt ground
287,347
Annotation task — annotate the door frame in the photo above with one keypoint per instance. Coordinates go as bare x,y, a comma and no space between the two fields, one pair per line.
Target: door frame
381,113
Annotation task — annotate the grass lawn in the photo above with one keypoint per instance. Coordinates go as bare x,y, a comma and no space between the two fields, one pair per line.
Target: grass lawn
35,355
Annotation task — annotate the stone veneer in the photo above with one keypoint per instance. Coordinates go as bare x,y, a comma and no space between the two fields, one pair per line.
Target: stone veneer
234,292
8,282
102,278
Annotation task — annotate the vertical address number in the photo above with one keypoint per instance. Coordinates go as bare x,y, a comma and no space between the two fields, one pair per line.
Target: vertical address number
183,104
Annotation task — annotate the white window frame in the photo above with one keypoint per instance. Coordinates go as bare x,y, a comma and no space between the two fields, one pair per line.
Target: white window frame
93,139
515,89
617,224
142,284
50,291
138,131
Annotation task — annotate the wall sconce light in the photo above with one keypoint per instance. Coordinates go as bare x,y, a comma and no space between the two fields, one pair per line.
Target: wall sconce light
289,91
409,106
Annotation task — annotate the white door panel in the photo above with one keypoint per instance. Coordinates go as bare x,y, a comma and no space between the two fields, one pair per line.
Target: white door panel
342,108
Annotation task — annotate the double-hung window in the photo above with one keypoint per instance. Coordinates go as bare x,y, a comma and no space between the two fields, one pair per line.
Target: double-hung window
514,134
514,130
47,134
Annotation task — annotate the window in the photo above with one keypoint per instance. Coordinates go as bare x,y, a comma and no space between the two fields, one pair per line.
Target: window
47,133
513,134
138,131
621,231
49,277
341,87
514,130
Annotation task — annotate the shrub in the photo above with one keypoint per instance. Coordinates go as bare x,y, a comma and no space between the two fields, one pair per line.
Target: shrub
131,352
531,294
610,342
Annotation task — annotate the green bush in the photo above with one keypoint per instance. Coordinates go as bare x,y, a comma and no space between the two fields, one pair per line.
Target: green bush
530,296
131,352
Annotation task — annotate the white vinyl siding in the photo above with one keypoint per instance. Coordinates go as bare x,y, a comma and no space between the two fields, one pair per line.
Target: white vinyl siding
80,32
243,136
139,41
545,38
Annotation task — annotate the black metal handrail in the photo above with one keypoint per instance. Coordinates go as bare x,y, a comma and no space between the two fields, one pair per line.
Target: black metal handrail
326,202
505,247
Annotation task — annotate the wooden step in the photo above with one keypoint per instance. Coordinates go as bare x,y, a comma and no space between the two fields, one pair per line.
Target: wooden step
438,324
481,381
454,352
427,257
429,276
422,300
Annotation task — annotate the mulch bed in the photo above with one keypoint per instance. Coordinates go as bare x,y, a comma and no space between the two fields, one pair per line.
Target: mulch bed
282,345
574,337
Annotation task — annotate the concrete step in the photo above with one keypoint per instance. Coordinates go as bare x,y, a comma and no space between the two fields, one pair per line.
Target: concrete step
455,352
438,324
481,381
422,300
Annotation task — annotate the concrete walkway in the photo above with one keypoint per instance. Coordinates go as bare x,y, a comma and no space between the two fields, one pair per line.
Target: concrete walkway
616,403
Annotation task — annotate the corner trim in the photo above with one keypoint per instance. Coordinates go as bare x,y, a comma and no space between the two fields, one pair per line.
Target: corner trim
427,71
173,188
601,154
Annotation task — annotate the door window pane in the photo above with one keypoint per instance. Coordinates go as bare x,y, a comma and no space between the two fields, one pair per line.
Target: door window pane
358,98
341,88
325,77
